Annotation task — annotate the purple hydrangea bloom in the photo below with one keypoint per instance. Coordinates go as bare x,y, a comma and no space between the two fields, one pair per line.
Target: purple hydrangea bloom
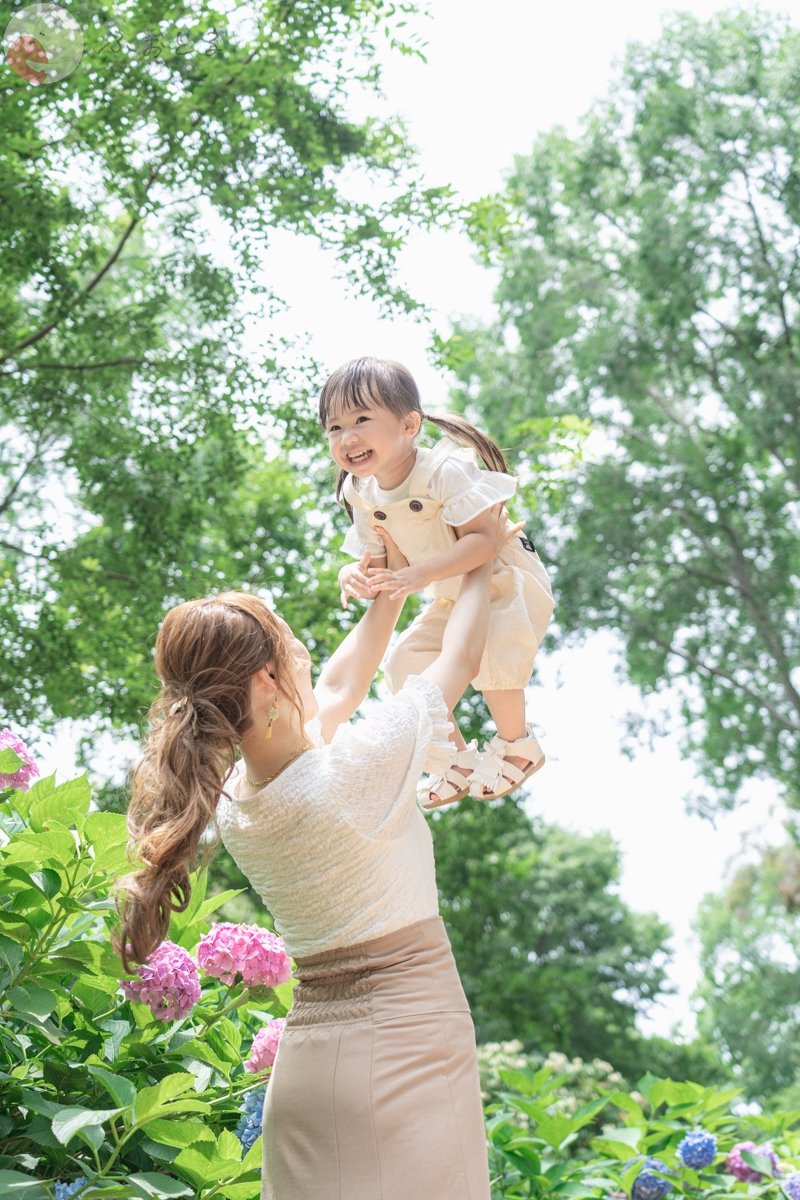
249,1127
735,1164
698,1149
792,1185
26,771
168,982
646,1185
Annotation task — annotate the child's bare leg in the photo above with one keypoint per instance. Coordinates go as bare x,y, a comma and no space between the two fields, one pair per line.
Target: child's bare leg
508,713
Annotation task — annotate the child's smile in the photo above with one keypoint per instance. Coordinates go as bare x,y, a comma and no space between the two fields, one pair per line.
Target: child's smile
373,441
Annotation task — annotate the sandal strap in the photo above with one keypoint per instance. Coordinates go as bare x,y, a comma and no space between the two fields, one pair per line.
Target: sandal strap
524,747
488,774
449,782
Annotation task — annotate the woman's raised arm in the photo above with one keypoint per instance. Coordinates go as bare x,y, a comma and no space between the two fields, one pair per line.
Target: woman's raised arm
348,673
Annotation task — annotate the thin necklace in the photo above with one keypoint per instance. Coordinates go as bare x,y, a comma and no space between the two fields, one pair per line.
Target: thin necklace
260,782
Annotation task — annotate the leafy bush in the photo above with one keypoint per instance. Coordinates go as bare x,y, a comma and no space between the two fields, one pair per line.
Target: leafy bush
140,1087
639,1145
97,1092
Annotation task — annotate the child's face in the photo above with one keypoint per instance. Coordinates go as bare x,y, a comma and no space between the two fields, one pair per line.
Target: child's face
371,440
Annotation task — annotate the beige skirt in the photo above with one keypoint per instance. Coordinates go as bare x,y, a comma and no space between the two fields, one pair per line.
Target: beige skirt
374,1094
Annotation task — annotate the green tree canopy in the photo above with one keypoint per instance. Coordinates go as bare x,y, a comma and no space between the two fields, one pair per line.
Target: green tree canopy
750,947
144,449
547,950
649,283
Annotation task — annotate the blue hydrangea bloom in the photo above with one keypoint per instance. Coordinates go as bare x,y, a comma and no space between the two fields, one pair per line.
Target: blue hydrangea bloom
65,1190
699,1149
646,1185
249,1127
792,1185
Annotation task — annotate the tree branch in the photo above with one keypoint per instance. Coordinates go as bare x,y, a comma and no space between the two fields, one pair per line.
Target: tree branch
91,285
718,673
8,499
741,569
93,366
787,333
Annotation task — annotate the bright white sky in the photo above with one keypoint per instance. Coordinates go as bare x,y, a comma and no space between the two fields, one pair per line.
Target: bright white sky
498,73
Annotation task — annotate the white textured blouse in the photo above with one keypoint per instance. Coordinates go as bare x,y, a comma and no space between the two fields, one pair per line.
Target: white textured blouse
336,846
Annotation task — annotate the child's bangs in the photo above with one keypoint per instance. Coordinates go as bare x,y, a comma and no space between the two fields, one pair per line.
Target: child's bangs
347,394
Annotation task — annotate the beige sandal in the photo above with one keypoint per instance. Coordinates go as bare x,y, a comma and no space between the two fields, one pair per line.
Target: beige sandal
451,785
498,775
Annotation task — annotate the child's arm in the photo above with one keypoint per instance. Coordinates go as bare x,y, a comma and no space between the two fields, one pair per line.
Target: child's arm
475,546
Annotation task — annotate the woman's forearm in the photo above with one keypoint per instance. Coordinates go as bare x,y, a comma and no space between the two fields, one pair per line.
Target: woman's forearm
352,666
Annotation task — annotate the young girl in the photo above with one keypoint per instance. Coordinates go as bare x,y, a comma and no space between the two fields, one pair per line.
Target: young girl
435,504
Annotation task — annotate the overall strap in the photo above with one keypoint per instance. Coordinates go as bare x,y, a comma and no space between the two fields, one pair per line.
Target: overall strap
353,496
424,470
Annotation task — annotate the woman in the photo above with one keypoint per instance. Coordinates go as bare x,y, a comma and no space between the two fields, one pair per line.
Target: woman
374,1094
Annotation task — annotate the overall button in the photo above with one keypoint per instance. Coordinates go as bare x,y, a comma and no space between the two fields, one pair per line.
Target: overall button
379,516
416,506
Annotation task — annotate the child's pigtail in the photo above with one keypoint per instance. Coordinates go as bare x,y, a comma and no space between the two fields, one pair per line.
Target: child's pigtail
340,478
462,431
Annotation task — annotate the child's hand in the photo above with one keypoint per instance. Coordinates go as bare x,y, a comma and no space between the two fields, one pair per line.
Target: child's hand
353,581
398,584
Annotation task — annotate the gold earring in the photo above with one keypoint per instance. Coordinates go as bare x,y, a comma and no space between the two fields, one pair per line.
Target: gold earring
273,716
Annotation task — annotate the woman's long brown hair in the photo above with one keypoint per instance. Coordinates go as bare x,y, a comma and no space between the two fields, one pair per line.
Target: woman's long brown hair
391,385
206,654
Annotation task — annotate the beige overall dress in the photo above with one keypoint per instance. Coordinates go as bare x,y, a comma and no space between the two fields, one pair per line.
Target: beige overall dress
521,598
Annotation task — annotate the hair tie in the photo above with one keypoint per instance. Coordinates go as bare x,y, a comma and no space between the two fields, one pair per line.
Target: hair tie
178,706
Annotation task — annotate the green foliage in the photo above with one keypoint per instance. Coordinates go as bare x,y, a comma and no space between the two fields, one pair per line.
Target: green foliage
538,1150
648,286
148,453
93,1084
537,907
750,944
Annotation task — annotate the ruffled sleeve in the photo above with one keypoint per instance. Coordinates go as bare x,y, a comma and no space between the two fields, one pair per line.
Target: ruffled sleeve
465,490
381,757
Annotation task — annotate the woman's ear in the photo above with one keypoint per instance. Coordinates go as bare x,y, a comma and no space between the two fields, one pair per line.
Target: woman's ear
264,677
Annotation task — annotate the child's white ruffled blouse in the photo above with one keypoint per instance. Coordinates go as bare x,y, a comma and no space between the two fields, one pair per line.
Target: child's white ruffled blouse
463,489
336,846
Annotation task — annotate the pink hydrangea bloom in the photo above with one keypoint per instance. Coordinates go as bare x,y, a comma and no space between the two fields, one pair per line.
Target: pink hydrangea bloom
265,1046
26,771
168,982
257,954
735,1164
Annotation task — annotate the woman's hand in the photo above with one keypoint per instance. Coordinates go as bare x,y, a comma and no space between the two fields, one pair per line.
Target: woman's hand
397,578
395,559
353,581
